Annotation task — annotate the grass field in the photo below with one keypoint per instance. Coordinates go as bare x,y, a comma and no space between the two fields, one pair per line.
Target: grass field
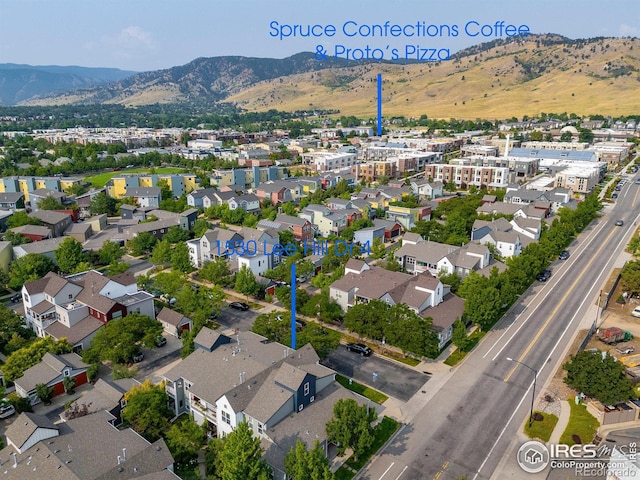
543,429
101,179
581,423
363,390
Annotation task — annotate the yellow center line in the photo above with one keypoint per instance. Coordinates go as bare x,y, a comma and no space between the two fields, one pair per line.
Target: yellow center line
555,310
635,197
445,465
437,475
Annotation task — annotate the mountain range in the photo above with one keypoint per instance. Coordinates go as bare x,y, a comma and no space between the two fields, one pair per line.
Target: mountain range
510,77
24,82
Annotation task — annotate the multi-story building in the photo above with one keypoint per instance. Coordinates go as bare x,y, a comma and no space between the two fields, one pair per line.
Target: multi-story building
179,183
325,161
247,177
463,176
26,185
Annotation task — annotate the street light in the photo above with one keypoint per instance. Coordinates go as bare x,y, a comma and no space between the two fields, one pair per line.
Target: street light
533,395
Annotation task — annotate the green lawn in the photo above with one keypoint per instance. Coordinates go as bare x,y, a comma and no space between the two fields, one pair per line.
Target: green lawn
101,179
363,390
581,423
459,354
412,362
383,432
542,429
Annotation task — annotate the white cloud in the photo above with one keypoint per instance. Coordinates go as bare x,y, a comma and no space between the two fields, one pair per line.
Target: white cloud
135,36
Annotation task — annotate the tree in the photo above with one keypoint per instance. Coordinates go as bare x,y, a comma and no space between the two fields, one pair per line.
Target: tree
323,340
246,282
32,354
176,234
378,250
12,330
15,238
241,456
103,204
50,203
180,259
216,271
200,226
146,410
303,464
44,393
21,218
600,377
29,268
185,439
351,427
69,383
161,253
630,277
110,252
566,137
69,254
536,136
118,340
141,244
585,135
459,335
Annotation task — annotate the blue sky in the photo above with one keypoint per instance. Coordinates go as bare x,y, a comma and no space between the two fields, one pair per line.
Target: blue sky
152,34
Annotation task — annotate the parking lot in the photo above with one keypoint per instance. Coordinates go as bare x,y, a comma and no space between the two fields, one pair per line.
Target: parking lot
231,318
390,378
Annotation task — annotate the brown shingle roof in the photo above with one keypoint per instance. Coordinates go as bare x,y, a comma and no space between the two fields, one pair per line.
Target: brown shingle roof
77,333
170,316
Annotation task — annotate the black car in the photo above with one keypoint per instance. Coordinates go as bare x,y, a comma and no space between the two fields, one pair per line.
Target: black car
544,276
16,298
161,341
138,357
564,255
239,306
360,348
213,315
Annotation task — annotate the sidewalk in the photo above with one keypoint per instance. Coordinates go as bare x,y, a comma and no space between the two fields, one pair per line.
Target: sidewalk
563,421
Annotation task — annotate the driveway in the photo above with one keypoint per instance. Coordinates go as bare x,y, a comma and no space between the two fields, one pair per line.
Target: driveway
390,378
96,241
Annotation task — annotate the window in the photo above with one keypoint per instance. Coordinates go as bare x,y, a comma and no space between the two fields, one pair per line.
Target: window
70,296
306,389
226,418
260,428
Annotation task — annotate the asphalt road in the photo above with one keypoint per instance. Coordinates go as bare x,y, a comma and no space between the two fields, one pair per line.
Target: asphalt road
466,428
390,378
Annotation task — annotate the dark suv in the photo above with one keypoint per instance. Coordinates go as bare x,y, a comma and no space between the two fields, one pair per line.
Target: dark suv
544,276
564,255
360,348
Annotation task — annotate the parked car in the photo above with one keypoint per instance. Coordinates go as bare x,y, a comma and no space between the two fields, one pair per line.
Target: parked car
636,312
564,255
360,348
614,196
625,350
544,275
161,341
239,306
213,315
619,223
6,409
16,298
138,357
300,324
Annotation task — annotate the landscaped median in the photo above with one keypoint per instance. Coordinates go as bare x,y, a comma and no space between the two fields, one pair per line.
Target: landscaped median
383,432
541,429
363,390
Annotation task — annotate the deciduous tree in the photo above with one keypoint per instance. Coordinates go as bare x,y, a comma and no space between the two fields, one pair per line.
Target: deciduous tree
241,456
303,464
351,427
146,410
69,254
29,268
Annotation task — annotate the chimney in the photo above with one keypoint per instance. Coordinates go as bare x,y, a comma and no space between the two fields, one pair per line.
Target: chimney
124,454
118,459
15,460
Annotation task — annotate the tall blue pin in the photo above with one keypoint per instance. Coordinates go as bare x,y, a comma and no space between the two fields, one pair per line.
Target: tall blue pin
379,104
293,305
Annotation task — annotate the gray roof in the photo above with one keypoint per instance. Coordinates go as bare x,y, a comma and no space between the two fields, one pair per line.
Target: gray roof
372,283
144,192
151,226
76,228
38,286
202,192
10,197
32,230
170,316
77,333
49,368
387,224
25,425
105,394
445,313
45,192
88,449
189,211
206,337
582,155
290,220
50,217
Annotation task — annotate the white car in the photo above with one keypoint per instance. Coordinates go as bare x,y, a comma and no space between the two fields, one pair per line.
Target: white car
636,312
6,409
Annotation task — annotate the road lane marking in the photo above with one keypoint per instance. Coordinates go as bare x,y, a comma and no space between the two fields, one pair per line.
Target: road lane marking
557,308
437,475
387,470
546,361
405,467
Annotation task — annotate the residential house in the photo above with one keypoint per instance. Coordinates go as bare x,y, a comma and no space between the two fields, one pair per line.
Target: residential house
217,242
45,247
36,196
423,293
79,232
301,228
501,234
84,201
12,201
57,222
145,196
425,189
51,371
174,323
276,192
249,201
392,229
107,395
273,388
98,222
419,255
408,217
368,235
134,212
196,197
85,448
75,307
35,233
